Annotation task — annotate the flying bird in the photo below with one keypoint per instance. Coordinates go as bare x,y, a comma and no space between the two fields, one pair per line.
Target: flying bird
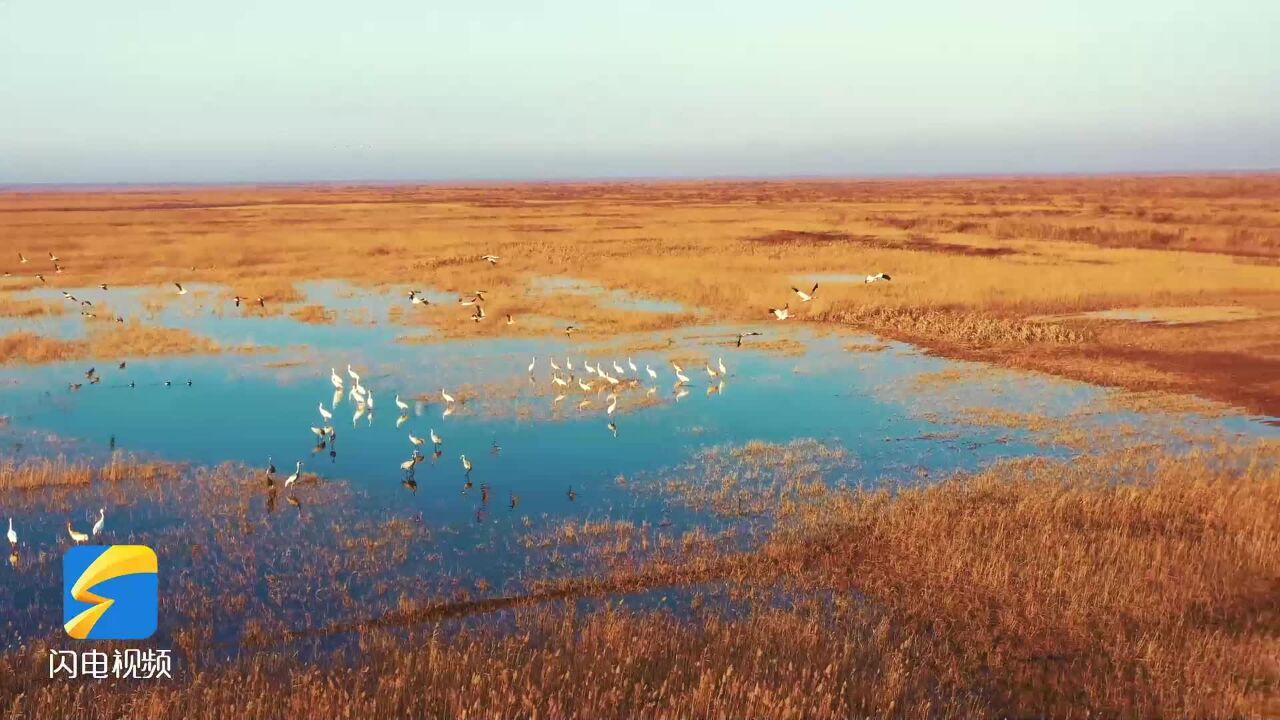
781,313
181,290
806,296
491,259
878,276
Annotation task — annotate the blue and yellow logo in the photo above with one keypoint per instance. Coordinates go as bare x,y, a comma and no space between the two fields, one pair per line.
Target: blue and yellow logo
110,592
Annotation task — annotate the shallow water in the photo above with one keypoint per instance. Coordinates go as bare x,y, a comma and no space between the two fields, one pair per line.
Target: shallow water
246,407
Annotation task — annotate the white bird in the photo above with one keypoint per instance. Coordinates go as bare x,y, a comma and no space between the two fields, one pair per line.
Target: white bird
319,432
681,394
559,380
806,296
181,290
533,362
587,366
568,363
710,373
354,375
404,406
417,299
13,536
448,410
23,259
466,464
723,369
491,259
401,420
586,386
649,370
360,408
684,379
556,400
77,537
407,465
417,441
324,413
297,473
612,380
554,366
102,521
781,313
369,399
676,365
53,258
436,439
618,368
613,404
447,397
335,379
878,276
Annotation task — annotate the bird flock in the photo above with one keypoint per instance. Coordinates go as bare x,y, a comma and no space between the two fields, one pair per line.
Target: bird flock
593,383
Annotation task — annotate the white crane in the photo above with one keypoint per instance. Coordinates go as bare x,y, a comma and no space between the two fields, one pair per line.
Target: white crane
354,375
102,520
404,406
335,379
417,441
447,397
466,464
652,375
324,413
297,473
806,296
436,439
76,537
613,404
533,362
13,536
632,365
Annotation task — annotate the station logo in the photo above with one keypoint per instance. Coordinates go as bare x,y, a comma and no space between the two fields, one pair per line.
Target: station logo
110,592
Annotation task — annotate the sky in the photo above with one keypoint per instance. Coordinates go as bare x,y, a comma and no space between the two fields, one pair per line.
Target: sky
148,91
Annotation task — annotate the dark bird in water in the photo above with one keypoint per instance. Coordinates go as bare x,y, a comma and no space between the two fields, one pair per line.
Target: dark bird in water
133,384
271,471
90,372
515,500
571,494
123,363
188,383
103,286
168,383
75,386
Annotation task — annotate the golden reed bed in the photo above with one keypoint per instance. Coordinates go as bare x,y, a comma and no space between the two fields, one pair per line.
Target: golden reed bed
1135,584
977,264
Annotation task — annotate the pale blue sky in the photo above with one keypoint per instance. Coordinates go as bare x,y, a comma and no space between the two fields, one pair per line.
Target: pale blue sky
263,90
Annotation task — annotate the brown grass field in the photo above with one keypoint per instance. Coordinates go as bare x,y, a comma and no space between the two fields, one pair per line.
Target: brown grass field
1131,584
991,269
1132,580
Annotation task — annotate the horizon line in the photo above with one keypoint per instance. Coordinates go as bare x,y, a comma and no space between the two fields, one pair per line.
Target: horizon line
53,186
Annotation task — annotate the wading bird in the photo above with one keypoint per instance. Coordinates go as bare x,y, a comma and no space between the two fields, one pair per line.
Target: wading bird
466,464
404,406
613,404
13,536
417,441
335,379
878,276
354,375
586,386
720,362
324,413
436,439
652,375
534,361
447,397
76,537
297,473
806,296
102,521
271,472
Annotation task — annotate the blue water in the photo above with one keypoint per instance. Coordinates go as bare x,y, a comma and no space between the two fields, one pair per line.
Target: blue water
246,407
